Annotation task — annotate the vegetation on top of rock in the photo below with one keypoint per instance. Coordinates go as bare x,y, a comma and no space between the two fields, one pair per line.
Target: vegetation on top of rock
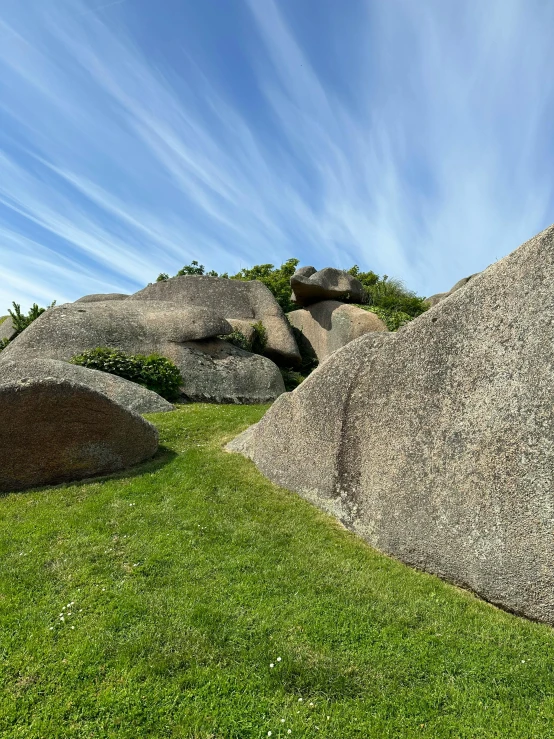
276,279
153,371
392,318
20,320
389,294
383,292
256,344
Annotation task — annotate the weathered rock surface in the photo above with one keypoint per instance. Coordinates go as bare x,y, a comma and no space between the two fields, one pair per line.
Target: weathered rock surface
101,297
128,394
250,301
215,371
434,299
132,326
437,444
326,284
7,329
328,326
54,431
212,370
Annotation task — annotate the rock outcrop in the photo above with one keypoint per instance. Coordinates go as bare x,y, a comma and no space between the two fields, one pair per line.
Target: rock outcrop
212,370
128,394
233,299
215,371
309,286
434,299
7,330
134,327
101,297
54,431
437,444
325,327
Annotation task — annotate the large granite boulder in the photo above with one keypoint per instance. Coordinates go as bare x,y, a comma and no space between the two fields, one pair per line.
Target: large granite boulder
309,286
324,327
235,299
437,444
7,330
434,299
101,297
132,326
215,371
54,431
128,394
212,370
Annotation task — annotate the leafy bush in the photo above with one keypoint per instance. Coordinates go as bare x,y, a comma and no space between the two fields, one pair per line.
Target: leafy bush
256,345
259,341
237,338
276,279
291,378
153,371
20,320
389,294
393,319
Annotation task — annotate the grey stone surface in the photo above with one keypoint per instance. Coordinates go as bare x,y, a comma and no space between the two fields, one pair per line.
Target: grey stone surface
7,329
328,326
437,445
54,431
215,371
101,297
132,326
212,370
326,284
434,299
128,394
234,299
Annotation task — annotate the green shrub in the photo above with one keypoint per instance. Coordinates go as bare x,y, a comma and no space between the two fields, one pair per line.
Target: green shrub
256,345
153,372
392,318
4,343
21,321
291,378
237,338
259,342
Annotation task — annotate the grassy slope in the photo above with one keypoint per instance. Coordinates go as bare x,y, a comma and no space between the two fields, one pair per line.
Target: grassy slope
188,579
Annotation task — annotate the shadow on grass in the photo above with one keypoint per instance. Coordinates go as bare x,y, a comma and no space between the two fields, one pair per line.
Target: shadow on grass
163,456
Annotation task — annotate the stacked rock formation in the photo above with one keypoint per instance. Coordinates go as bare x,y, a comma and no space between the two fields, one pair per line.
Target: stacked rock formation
181,319
436,444
327,322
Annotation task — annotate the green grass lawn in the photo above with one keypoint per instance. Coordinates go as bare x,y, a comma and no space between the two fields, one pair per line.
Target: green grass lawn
153,604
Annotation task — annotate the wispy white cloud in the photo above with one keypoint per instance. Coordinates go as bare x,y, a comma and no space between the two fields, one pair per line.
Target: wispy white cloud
115,165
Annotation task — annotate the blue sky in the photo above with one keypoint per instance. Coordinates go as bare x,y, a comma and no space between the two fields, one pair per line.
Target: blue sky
410,137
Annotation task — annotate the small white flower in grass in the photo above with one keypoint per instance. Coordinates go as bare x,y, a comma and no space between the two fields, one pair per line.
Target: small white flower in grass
271,664
278,659
73,627
522,661
269,733
311,705
51,628
282,720
289,731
